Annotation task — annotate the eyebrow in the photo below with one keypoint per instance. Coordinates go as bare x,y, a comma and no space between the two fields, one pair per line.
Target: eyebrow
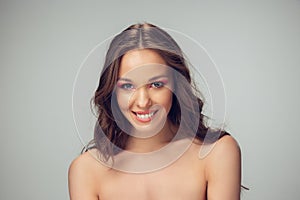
151,79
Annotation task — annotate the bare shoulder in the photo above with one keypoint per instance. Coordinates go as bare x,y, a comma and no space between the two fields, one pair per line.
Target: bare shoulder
223,169
227,144
84,176
227,149
84,163
80,162
87,165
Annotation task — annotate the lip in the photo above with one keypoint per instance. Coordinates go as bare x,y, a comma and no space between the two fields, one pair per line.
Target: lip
144,116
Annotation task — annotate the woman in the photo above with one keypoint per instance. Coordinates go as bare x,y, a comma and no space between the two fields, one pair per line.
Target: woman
150,129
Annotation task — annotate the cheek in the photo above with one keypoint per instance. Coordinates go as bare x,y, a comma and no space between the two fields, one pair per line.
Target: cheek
168,101
164,99
123,100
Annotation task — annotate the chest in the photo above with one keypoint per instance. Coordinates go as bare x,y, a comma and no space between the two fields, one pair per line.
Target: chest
175,182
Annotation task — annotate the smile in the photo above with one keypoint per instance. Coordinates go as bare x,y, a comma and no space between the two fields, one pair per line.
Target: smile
144,116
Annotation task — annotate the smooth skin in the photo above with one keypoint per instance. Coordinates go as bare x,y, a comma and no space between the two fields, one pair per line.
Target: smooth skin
215,177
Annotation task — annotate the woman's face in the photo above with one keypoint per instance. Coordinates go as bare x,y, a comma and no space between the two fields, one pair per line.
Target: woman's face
144,90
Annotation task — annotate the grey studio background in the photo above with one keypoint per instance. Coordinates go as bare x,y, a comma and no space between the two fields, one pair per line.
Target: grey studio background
255,45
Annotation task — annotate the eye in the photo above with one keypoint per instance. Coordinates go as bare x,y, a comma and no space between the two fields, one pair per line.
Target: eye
126,86
157,84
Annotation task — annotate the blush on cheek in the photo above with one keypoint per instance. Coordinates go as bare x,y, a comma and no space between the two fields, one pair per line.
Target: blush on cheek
123,100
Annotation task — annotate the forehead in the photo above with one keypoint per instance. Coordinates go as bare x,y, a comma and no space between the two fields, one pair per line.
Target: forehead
142,62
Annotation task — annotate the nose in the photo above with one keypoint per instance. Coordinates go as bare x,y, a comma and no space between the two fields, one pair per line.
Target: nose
142,97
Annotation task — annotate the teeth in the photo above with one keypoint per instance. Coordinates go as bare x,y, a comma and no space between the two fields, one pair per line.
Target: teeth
145,116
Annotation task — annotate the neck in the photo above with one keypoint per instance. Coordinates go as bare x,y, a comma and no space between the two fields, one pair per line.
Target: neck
144,145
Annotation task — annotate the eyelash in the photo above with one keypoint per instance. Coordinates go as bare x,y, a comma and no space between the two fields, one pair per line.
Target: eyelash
124,86
129,86
161,84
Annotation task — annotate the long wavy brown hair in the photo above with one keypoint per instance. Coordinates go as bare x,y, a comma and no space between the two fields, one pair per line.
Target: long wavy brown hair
109,138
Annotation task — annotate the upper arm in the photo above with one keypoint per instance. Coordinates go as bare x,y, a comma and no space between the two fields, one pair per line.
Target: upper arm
81,182
224,170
